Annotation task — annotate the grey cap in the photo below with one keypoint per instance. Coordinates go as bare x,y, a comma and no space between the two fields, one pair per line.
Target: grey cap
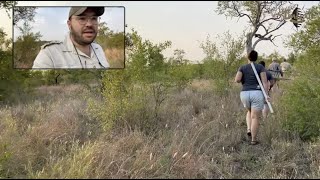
76,11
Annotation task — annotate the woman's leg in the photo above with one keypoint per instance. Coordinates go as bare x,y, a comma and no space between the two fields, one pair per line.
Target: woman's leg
255,116
245,99
248,119
256,112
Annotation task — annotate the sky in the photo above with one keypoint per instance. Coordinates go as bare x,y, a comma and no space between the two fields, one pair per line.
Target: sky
185,24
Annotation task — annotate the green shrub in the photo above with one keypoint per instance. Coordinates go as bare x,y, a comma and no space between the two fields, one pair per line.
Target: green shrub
301,102
301,99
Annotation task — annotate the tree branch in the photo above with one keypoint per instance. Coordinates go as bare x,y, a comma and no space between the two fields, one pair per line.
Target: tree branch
259,12
260,39
263,37
240,14
272,18
279,25
270,38
255,43
273,43
264,28
256,24
276,36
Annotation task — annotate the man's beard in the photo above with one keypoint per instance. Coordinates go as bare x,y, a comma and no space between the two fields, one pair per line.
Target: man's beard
78,36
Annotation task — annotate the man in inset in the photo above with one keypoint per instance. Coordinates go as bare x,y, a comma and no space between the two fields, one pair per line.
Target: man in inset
78,50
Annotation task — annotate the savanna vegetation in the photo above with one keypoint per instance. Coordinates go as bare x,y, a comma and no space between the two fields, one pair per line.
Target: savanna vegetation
160,117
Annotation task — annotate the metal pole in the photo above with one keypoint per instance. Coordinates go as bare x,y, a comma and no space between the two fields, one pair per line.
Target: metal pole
261,86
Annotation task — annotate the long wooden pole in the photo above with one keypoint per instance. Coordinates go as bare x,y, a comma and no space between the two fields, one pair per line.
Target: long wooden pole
261,86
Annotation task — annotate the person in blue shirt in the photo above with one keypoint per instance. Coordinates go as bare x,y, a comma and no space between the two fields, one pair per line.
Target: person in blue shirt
251,94
270,81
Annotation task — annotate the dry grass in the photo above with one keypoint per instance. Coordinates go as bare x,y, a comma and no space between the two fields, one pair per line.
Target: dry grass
201,84
198,135
116,58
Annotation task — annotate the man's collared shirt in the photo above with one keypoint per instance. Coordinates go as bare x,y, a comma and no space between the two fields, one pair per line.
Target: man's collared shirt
64,55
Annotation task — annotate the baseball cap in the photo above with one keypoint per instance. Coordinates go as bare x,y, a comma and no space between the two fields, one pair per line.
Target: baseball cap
76,11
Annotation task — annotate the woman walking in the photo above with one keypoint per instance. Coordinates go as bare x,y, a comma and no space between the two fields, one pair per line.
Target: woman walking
251,94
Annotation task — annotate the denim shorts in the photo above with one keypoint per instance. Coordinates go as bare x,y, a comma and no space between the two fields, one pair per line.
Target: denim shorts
252,99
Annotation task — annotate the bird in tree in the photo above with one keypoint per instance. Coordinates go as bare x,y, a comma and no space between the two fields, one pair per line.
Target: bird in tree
296,17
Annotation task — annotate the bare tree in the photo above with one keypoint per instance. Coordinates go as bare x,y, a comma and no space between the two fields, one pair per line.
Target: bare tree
23,13
266,15
7,5
20,12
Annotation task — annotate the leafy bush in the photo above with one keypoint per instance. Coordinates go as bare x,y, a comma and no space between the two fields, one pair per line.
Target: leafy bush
301,102
301,99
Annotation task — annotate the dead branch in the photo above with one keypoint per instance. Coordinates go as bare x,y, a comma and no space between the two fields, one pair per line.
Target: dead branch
240,14
270,38
264,28
279,25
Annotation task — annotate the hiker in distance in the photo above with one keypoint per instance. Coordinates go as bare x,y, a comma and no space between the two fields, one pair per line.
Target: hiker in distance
251,94
276,71
270,82
285,67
